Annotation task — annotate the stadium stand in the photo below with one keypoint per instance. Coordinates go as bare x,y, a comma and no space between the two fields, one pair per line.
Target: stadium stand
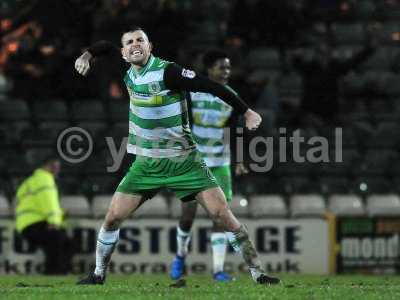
175,209
100,204
368,114
239,205
14,110
307,206
53,110
76,206
263,206
383,205
85,110
346,205
5,210
155,207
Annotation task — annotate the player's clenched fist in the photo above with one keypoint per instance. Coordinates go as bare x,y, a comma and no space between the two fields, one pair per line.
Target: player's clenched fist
82,64
253,119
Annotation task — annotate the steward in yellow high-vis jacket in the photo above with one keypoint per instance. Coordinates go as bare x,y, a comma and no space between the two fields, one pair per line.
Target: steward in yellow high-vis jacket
39,216
38,201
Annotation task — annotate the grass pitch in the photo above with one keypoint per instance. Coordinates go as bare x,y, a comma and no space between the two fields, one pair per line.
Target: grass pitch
201,287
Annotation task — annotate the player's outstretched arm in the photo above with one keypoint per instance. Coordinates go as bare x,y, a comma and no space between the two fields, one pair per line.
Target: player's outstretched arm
253,119
177,78
100,48
82,63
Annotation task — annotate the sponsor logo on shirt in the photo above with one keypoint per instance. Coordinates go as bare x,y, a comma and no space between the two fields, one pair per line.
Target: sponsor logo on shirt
188,73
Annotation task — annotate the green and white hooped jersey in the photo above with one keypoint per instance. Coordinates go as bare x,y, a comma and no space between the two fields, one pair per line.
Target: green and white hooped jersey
158,117
210,116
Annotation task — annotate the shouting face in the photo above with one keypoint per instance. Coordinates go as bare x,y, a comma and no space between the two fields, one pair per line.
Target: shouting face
136,47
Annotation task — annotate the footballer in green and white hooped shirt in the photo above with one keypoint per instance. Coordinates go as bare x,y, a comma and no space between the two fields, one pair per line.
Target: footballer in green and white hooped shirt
166,156
211,118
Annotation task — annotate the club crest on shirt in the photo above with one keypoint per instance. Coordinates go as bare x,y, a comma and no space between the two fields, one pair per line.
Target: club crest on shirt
154,87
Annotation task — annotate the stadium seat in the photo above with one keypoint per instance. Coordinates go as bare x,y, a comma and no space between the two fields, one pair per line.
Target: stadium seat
380,60
118,111
362,128
293,168
372,185
384,137
33,137
34,155
175,209
5,210
100,182
72,169
307,205
389,32
4,184
273,186
118,132
383,205
347,51
376,162
95,128
100,204
348,136
251,184
6,138
267,206
345,33
69,185
239,206
392,87
89,110
262,57
298,184
76,206
335,185
289,84
14,110
394,169
14,130
376,83
54,127
17,165
98,162
54,110
365,9
346,205
15,181
352,84
155,207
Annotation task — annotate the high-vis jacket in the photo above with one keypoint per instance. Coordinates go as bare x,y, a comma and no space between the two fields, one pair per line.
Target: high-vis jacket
37,201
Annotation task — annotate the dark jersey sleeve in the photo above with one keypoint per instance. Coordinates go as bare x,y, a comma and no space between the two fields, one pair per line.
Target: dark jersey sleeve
102,48
177,78
106,48
355,60
237,139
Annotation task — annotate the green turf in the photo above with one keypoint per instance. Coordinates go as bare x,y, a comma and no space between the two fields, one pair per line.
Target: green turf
201,287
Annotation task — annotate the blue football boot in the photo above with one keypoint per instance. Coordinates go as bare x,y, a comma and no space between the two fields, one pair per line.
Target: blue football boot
177,267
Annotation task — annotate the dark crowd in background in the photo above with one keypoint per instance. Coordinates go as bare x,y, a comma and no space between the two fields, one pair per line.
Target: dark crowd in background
309,64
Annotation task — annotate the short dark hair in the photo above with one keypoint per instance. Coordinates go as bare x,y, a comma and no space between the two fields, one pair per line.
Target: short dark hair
135,28
211,56
50,158
132,29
